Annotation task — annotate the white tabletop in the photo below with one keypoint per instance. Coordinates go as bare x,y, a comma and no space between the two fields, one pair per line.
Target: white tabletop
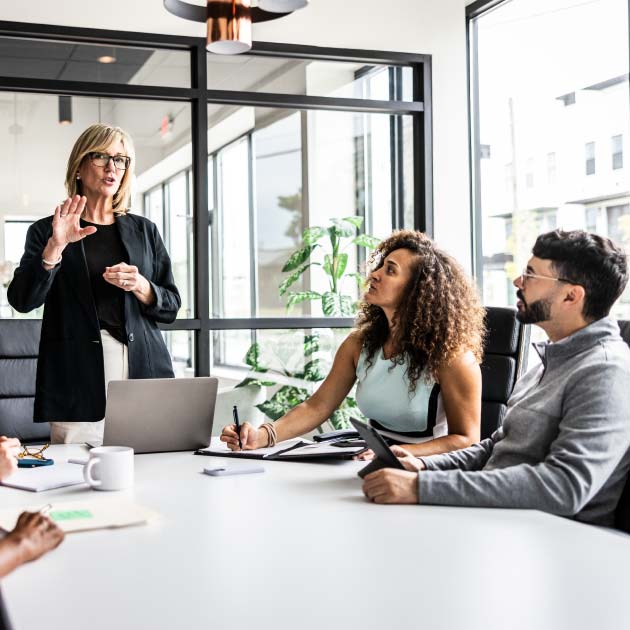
299,547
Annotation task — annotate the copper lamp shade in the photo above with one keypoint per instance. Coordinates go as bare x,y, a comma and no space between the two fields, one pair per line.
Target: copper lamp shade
229,26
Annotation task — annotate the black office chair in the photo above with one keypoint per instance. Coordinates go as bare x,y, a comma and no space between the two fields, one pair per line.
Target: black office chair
622,514
504,360
19,345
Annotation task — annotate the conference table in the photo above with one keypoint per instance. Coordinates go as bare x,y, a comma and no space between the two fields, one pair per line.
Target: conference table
299,546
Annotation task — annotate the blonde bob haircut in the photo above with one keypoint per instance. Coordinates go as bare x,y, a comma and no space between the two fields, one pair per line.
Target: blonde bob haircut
98,138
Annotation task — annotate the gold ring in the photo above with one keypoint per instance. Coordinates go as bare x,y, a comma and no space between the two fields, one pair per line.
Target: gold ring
124,283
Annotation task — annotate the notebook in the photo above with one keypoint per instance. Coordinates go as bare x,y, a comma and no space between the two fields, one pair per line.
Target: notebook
296,449
77,516
59,475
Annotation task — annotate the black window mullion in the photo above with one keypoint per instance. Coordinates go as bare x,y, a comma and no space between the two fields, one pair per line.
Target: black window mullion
201,217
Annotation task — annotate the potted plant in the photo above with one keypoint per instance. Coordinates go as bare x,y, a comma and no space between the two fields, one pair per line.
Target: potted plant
296,372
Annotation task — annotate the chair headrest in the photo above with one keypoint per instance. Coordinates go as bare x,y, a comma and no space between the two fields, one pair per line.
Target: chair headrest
503,330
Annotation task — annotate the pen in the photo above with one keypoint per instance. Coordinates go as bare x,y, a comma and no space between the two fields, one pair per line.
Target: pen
238,425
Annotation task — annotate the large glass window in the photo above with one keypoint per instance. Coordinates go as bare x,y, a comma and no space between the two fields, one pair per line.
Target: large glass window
35,186
559,106
306,153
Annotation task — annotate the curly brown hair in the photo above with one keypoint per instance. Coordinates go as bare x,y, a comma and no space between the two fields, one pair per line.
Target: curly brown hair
440,315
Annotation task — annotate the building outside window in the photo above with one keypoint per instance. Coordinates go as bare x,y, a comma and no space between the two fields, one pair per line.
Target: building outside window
589,156
575,101
617,152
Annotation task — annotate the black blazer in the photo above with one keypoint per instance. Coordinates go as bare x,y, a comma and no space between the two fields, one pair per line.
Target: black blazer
70,374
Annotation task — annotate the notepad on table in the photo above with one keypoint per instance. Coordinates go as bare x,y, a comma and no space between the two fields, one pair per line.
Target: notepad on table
296,449
77,516
59,475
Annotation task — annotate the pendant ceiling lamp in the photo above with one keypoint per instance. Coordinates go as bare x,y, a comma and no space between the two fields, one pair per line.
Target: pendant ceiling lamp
282,6
230,21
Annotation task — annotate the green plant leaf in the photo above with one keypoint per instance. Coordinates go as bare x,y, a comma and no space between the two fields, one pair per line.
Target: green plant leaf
252,357
311,344
297,297
312,371
254,381
338,229
298,257
365,240
356,221
340,419
311,235
282,401
287,282
337,305
360,279
342,263
271,410
328,265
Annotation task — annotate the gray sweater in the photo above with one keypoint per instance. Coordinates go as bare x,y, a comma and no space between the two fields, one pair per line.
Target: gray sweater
564,446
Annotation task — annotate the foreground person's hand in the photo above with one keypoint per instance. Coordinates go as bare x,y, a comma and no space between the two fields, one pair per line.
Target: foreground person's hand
35,534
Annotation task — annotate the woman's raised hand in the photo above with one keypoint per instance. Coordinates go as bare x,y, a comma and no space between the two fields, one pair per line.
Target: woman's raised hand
66,226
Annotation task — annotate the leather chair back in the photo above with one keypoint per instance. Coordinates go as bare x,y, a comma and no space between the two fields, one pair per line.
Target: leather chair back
622,514
19,346
504,360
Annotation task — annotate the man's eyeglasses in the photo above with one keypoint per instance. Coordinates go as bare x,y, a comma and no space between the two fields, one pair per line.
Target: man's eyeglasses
121,162
34,452
526,275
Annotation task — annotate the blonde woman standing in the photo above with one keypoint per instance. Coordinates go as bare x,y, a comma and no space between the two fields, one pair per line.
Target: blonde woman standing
105,280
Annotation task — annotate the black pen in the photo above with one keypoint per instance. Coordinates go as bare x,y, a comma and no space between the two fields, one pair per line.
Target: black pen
238,426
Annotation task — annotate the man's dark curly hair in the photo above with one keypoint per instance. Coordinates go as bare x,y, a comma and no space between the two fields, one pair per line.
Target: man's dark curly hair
440,315
592,261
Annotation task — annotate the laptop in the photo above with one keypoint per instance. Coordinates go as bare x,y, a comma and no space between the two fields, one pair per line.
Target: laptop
161,414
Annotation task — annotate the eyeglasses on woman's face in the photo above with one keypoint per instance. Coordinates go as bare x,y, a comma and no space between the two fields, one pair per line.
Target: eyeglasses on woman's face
121,162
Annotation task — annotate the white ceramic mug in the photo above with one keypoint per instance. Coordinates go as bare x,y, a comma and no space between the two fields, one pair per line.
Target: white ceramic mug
110,468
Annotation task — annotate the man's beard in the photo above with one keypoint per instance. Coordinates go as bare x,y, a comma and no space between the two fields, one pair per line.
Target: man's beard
538,311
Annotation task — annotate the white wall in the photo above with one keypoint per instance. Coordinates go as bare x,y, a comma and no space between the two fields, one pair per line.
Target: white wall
435,27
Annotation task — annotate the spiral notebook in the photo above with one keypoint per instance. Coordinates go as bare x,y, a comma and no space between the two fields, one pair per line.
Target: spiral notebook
289,450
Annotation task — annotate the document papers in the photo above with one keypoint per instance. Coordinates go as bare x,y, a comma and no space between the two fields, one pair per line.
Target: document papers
58,475
296,449
77,516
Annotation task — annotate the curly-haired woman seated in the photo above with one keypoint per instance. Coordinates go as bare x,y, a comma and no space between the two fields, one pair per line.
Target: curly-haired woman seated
420,323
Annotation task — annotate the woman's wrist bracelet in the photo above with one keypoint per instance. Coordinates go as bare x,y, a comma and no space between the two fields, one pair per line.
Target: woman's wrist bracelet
51,263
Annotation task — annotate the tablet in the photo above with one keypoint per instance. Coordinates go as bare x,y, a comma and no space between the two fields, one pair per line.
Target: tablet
384,456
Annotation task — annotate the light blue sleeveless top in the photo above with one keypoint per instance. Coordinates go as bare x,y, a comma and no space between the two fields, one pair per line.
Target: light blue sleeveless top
383,394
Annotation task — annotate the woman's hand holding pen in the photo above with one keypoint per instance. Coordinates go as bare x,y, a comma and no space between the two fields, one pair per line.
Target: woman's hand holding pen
66,228
251,437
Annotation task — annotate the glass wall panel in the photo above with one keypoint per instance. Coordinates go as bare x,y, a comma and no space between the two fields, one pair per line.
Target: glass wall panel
554,121
268,372
258,73
280,172
180,344
74,61
35,151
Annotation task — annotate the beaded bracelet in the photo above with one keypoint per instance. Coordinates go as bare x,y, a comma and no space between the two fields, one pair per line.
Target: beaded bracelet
272,436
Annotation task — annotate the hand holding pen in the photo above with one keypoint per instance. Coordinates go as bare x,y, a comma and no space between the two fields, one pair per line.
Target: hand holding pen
237,424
